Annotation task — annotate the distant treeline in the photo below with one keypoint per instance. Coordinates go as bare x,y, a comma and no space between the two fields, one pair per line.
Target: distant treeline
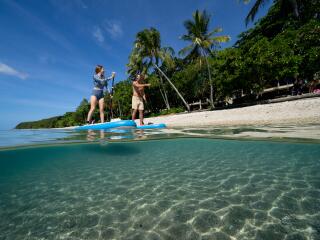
44,123
68,119
283,47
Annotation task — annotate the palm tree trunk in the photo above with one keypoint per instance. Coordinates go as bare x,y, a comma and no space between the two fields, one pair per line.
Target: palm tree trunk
295,7
165,95
119,107
172,85
210,80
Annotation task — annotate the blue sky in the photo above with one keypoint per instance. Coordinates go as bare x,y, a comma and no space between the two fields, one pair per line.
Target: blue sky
48,49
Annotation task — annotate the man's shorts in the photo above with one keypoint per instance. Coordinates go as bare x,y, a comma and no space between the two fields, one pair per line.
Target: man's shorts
137,103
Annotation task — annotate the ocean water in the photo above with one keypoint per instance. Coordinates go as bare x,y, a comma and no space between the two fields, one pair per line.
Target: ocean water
259,182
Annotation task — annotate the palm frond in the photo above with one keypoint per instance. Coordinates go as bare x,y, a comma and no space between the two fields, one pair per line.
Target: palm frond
257,5
221,39
215,31
206,44
188,24
169,50
186,50
186,37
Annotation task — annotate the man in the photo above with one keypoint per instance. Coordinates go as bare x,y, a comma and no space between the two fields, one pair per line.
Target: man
138,97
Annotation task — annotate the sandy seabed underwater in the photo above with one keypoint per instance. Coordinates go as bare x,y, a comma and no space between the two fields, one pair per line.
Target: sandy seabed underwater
185,188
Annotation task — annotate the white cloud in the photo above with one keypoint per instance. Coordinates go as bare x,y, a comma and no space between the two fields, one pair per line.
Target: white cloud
7,70
114,28
98,35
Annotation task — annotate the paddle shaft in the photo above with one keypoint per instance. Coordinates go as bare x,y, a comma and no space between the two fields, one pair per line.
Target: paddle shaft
111,94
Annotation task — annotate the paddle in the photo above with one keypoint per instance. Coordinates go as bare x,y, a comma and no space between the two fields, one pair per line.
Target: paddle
111,94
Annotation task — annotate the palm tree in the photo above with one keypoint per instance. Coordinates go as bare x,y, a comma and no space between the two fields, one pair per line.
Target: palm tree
148,50
284,4
202,41
136,65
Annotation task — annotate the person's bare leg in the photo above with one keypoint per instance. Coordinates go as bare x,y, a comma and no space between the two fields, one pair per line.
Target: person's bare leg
134,113
141,117
101,109
93,103
101,134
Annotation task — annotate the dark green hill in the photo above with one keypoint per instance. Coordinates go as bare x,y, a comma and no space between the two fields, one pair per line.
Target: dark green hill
43,123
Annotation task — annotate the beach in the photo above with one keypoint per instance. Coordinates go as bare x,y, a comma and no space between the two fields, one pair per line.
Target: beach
303,111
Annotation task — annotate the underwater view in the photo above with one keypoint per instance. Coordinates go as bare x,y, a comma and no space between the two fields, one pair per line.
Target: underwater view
226,183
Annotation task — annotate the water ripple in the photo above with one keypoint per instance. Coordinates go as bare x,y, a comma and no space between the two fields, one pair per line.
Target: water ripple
288,133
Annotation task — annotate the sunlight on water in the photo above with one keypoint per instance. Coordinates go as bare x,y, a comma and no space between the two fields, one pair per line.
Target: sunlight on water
183,185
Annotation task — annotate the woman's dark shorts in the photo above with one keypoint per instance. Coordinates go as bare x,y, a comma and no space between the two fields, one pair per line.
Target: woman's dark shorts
97,93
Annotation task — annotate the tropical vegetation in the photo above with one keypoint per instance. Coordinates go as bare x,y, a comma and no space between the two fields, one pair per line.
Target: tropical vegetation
282,47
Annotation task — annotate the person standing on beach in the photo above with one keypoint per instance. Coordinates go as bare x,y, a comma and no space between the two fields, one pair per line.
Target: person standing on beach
138,97
100,82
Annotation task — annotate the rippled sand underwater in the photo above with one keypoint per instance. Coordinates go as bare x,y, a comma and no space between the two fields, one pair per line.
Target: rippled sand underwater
188,188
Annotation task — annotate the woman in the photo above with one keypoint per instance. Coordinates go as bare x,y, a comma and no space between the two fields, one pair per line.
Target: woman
100,82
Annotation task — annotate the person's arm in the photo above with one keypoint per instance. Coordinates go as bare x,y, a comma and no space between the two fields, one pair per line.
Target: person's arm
98,79
112,76
109,89
141,84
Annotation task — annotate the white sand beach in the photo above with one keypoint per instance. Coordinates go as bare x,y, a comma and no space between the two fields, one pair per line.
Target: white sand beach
292,112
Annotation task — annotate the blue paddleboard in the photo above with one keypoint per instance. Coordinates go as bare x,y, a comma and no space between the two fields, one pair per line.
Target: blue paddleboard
152,126
107,125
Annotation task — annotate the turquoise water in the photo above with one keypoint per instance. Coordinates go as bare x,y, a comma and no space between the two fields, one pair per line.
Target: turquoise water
291,133
175,184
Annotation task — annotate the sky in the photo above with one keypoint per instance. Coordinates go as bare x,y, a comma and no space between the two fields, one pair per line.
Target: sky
48,49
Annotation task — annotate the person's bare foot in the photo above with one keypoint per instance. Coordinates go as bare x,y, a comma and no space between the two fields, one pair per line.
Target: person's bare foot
90,122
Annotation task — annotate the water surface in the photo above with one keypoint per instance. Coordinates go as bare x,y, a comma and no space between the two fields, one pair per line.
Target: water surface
110,185
284,132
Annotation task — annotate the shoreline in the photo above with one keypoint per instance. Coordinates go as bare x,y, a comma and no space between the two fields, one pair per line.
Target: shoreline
302,111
